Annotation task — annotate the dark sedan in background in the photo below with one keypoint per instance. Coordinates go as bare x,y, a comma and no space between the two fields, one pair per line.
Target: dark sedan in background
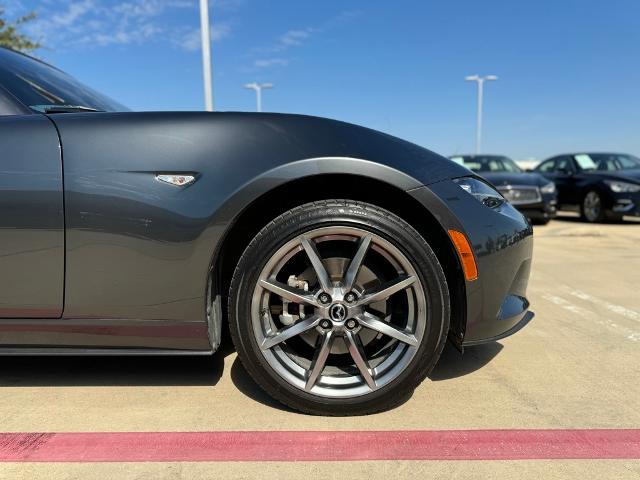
530,193
603,186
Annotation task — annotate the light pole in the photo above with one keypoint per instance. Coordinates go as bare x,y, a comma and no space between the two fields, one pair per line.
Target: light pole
480,81
258,89
206,55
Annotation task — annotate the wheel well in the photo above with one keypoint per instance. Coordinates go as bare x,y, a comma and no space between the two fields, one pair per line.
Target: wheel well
320,187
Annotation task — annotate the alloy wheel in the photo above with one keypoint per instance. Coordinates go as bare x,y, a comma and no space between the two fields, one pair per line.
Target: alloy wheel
592,206
338,312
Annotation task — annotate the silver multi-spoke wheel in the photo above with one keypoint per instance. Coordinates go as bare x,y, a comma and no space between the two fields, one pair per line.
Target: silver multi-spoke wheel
338,307
338,312
592,206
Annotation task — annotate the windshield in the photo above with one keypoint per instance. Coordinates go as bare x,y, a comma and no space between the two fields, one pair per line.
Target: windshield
607,161
40,86
487,163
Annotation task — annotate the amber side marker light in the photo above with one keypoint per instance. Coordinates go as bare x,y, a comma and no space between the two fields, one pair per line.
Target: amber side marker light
466,255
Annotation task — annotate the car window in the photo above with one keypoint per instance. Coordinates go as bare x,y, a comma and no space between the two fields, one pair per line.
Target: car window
606,164
510,165
627,161
475,166
614,161
8,104
494,165
585,162
487,163
37,85
458,160
564,165
547,166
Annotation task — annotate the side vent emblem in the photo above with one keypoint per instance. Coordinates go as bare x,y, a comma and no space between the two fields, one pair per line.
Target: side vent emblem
175,179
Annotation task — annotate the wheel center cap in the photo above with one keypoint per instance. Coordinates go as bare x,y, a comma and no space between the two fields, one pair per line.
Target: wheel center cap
338,312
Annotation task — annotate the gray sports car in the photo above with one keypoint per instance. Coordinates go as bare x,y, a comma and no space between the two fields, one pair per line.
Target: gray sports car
341,258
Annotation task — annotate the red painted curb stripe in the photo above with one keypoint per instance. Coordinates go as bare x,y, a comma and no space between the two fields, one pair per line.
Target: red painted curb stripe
319,446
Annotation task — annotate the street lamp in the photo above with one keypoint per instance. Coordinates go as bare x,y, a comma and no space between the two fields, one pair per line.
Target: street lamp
480,81
206,55
258,89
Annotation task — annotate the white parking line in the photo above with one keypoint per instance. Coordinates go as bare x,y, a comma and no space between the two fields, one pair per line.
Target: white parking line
585,313
567,305
612,307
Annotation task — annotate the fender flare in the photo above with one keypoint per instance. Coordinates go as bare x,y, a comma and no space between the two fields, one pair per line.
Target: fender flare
236,203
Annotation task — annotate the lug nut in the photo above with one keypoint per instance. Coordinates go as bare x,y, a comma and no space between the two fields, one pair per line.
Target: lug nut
324,298
325,324
351,323
350,297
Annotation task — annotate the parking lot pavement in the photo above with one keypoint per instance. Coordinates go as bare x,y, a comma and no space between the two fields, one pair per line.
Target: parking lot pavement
576,365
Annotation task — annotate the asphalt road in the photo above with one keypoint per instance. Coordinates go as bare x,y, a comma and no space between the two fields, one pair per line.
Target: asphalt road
576,365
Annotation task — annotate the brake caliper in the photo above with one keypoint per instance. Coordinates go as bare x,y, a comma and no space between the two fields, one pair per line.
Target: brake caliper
287,318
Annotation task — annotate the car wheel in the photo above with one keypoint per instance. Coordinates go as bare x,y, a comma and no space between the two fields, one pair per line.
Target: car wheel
339,308
592,208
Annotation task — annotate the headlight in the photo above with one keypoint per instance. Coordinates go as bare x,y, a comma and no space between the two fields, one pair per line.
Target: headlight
548,188
622,187
481,191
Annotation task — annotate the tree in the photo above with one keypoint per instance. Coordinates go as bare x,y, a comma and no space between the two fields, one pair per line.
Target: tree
10,35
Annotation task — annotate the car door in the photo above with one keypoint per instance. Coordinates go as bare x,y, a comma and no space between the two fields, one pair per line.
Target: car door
31,217
561,171
564,176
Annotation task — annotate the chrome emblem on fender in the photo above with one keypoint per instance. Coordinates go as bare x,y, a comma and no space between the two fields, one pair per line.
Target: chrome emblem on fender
176,179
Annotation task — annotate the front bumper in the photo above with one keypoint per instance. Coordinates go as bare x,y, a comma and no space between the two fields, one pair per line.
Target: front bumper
502,240
544,209
519,320
540,211
626,204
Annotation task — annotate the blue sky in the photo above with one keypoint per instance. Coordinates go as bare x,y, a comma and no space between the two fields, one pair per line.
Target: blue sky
569,70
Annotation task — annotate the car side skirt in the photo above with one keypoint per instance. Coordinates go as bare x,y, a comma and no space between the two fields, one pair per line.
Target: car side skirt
98,352
102,334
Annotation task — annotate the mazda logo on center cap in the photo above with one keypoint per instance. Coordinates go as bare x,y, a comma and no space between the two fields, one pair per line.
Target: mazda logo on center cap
337,312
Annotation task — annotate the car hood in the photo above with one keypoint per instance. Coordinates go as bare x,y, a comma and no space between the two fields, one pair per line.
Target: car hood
632,175
509,178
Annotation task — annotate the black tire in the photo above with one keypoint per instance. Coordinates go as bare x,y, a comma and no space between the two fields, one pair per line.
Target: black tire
342,213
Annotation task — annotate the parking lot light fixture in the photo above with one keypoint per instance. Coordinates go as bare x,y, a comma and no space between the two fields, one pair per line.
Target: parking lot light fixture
206,55
480,81
257,87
